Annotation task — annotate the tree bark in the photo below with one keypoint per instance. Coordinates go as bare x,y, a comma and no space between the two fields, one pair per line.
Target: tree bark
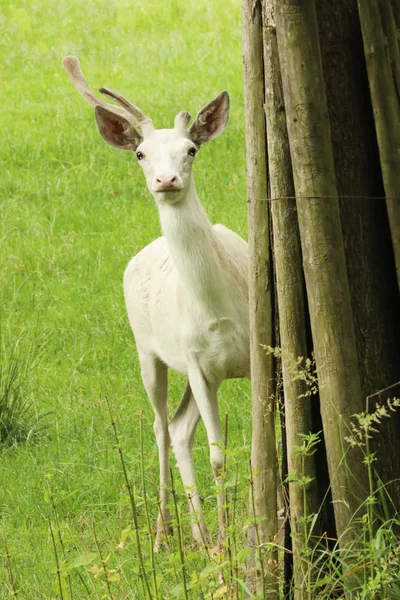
385,102
290,292
392,41
263,458
396,14
366,233
323,252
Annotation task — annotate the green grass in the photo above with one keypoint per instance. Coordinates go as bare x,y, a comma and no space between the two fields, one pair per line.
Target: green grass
72,213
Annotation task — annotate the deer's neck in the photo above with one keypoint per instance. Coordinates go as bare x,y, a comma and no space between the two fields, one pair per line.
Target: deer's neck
193,247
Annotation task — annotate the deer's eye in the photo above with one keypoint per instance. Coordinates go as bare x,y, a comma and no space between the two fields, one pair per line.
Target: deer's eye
140,155
192,151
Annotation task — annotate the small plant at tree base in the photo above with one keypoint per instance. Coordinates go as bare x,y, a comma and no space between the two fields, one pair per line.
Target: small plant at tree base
370,564
300,369
369,567
380,549
307,522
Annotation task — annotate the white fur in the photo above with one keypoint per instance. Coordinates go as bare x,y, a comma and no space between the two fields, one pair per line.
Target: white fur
186,293
187,301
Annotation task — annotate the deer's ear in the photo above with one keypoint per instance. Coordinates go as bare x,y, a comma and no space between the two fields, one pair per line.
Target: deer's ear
211,120
116,130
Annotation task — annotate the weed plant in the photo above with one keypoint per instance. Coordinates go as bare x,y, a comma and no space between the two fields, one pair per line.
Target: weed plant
123,564
19,422
127,567
369,567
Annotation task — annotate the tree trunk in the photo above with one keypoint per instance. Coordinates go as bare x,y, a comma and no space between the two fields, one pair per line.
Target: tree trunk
263,504
323,252
290,291
385,102
392,41
366,233
396,13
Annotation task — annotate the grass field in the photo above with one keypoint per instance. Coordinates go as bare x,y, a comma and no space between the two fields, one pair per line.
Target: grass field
73,211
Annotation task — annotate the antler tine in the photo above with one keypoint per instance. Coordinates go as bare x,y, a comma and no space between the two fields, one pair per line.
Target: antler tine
131,108
74,72
182,120
142,121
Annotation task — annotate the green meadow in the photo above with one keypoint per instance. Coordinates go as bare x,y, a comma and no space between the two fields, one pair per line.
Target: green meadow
73,211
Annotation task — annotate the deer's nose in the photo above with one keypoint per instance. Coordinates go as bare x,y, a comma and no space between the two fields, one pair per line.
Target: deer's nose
165,182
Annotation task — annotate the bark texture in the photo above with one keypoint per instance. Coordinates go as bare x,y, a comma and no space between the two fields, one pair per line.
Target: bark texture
291,302
385,102
396,13
323,250
366,233
263,461
392,40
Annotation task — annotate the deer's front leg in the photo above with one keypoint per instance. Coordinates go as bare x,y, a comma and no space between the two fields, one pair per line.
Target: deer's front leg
155,380
205,394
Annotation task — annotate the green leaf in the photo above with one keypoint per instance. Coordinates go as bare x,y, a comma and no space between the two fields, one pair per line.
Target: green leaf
211,568
125,533
178,591
83,560
324,581
244,588
57,586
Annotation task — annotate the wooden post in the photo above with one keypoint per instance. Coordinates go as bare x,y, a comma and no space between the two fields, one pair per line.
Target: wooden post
263,454
323,252
385,102
396,13
391,40
291,303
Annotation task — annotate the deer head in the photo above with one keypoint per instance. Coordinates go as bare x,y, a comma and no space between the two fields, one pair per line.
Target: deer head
165,155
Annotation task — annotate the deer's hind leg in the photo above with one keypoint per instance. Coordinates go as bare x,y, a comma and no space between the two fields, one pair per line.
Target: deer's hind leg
182,429
205,394
155,381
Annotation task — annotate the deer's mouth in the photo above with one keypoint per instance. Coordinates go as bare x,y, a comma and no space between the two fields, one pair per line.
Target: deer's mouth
170,192
169,196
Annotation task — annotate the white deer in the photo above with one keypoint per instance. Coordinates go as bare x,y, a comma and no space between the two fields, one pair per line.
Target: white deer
186,293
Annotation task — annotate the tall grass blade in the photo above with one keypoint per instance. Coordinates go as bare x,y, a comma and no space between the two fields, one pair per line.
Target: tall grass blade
153,564
228,529
55,512
59,576
180,537
10,571
103,562
142,570
258,553
234,539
